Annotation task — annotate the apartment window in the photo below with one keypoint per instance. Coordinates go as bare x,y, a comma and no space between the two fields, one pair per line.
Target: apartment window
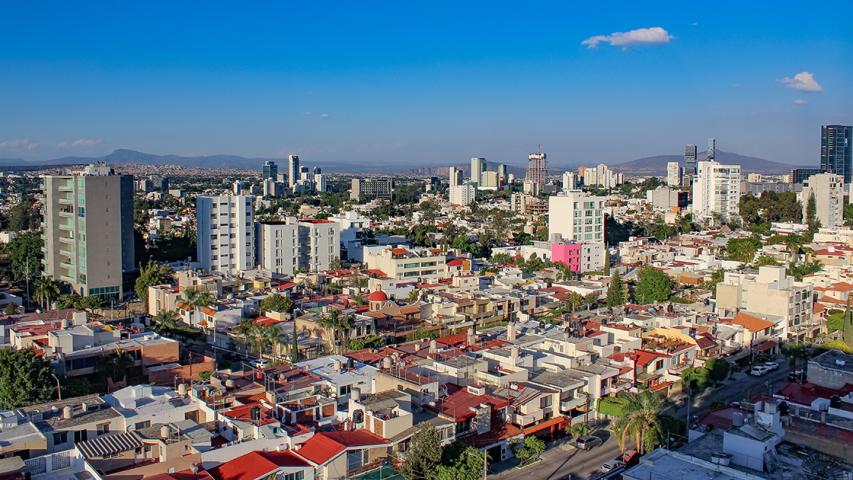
60,438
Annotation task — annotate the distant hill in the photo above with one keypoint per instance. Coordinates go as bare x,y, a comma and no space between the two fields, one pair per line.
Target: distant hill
656,165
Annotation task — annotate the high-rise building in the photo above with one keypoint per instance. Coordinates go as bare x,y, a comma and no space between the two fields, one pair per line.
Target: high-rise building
602,176
371,188
478,166
828,192
320,182
690,159
292,170
800,175
455,176
716,190
88,230
673,174
575,216
570,181
270,170
537,171
464,194
712,150
290,246
835,150
502,177
489,180
225,233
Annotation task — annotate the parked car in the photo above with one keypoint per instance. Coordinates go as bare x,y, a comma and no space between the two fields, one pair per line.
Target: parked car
588,442
259,363
631,457
772,365
795,376
758,371
612,465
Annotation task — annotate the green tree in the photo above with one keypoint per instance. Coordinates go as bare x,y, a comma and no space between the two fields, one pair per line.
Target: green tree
166,321
742,249
338,325
424,454
24,256
579,429
115,365
150,275
469,465
196,298
607,261
811,214
641,420
718,368
616,293
653,285
25,378
530,450
696,378
277,303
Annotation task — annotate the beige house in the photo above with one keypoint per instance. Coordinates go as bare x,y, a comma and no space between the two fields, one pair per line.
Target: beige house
769,292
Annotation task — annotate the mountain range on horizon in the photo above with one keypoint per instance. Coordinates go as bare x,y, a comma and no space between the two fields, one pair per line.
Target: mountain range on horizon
646,166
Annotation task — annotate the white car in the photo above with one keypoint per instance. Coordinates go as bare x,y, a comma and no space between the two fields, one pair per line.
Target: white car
772,365
259,363
758,370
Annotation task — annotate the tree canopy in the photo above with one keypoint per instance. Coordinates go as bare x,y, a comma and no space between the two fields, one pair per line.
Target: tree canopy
616,293
424,454
25,378
653,285
150,275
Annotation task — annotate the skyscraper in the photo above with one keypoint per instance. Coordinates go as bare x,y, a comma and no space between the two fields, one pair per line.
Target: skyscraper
455,176
292,170
537,171
88,230
478,166
835,150
673,174
690,159
502,178
712,149
270,170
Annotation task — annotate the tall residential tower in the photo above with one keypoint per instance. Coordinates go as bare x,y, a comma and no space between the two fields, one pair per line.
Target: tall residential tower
835,150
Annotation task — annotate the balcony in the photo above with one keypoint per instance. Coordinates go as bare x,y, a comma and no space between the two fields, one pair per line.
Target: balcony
572,403
525,420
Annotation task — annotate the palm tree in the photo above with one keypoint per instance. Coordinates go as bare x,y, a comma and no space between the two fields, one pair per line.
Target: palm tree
196,298
115,366
795,354
339,326
166,321
46,290
641,419
574,301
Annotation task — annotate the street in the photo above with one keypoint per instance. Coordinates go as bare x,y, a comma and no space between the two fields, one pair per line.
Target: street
561,461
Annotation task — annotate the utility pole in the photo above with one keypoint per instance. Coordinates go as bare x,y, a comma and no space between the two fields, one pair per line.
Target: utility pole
485,464
58,387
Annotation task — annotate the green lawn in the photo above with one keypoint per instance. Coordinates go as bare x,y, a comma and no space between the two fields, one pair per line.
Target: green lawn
835,321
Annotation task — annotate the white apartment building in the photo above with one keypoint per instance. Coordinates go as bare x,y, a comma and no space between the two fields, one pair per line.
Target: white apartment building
602,176
570,181
463,194
716,190
576,216
769,292
673,174
488,180
226,233
455,176
828,191
290,246
406,264
478,166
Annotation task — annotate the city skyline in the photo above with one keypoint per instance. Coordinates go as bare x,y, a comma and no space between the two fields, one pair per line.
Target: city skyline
334,87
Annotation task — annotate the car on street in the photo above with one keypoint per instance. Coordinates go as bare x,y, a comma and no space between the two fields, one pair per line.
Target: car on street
772,365
758,371
259,363
588,442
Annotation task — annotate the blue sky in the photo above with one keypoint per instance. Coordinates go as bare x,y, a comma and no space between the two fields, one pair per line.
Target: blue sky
423,83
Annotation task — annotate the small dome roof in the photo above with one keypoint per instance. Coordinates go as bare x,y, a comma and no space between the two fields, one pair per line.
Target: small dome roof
377,296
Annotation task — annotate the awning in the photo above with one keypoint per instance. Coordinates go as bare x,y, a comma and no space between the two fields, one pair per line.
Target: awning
543,425
765,345
110,444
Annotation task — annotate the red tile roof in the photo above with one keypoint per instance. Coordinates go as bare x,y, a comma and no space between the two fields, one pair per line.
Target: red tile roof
324,446
255,465
459,402
751,322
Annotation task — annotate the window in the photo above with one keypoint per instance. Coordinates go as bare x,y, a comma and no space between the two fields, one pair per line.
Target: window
60,437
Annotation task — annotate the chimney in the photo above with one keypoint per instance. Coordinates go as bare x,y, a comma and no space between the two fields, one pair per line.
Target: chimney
84,407
67,412
510,332
182,389
470,339
433,346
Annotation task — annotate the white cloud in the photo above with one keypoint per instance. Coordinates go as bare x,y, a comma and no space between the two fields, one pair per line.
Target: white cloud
695,24
80,143
800,101
804,82
324,115
18,144
640,36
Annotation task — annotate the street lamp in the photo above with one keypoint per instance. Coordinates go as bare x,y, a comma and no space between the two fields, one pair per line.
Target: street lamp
58,386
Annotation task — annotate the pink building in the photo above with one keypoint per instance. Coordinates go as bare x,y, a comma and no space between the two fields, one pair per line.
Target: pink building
569,254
